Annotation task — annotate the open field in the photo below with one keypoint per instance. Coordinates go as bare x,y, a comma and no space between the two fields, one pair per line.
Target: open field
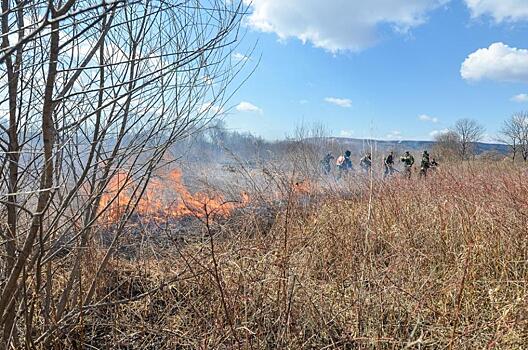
440,263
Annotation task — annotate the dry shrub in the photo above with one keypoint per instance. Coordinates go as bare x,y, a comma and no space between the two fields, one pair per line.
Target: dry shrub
434,263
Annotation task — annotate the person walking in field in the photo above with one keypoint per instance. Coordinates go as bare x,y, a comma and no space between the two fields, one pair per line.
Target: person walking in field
408,161
325,164
426,164
388,164
344,164
434,164
366,162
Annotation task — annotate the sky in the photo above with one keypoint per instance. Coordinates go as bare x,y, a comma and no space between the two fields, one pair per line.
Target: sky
384,69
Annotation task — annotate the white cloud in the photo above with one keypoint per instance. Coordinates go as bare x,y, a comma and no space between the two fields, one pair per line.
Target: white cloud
499,10
435,133
209,107
394,135
346,133
303,102
521,98
248,107
428,118
487,138
498,62
208,80
338,25
341,102
237,56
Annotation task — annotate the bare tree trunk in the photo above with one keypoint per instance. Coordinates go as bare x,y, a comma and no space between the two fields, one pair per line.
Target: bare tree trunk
13,155
46,184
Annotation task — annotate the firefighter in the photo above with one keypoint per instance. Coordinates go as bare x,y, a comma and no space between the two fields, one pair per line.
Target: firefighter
344,164
366,162
388,164
426,164
408,161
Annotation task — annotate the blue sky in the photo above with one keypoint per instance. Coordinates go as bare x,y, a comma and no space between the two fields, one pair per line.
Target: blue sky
388,69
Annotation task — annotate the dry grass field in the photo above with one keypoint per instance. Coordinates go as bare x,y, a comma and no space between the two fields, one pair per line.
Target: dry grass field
440,263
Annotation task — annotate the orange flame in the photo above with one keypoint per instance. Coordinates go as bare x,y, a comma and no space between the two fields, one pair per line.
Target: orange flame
116,199
165,197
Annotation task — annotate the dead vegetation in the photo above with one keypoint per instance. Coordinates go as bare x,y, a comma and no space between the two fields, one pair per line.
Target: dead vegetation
434,264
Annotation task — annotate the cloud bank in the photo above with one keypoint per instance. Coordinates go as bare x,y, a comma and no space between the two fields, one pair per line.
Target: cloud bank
499,10
498,62
338,25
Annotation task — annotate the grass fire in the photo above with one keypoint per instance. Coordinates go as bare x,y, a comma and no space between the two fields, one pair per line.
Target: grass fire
165,198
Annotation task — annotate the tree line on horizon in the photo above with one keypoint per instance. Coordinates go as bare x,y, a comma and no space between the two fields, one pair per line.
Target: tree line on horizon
459,142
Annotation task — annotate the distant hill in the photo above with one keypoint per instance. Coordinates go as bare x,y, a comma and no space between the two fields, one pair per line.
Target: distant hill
360,144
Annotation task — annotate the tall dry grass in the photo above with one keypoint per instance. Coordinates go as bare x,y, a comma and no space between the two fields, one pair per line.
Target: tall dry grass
440,263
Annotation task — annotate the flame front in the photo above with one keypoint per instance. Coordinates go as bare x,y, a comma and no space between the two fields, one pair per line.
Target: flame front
165,198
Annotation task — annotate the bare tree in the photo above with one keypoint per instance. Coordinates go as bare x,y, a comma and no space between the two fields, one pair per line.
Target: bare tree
307,147
469,132
514,133
447,145
93,93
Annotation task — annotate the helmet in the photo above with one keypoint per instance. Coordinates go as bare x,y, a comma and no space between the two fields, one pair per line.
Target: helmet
348,153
